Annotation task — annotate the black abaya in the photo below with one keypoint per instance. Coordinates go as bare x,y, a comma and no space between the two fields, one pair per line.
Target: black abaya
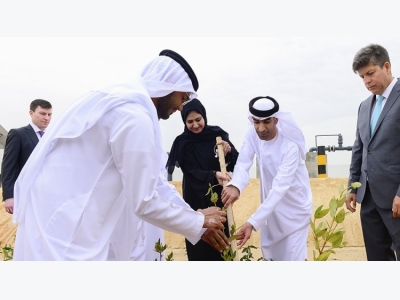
198,166
196,155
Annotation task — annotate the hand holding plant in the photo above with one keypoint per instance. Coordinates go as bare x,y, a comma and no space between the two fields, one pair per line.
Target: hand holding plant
214,217
244,234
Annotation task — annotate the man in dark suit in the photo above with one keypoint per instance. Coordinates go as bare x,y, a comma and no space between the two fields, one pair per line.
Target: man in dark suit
19,146
376,156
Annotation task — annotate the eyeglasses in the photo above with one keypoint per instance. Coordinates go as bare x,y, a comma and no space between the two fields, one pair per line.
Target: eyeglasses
189,98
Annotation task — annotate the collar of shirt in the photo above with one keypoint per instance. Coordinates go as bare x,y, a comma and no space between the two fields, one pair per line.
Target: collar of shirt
388,90
36,129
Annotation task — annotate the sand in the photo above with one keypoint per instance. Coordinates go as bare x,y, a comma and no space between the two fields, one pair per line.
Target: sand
323,190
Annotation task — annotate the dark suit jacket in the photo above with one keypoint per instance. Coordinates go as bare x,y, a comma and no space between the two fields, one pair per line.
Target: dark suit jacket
378,156
20,143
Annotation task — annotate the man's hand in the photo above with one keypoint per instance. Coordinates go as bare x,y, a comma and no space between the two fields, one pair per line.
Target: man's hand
221,177
244,234
216,238
351,202
214,217
229,195
396,207
9,205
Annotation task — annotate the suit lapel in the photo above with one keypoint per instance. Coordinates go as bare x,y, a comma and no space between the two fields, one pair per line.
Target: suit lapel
394,95
32,135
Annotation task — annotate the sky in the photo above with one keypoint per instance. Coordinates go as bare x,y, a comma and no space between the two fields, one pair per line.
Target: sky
311,77
299,52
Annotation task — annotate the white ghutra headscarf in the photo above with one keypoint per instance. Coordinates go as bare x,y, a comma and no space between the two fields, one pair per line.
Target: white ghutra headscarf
266,107
164,75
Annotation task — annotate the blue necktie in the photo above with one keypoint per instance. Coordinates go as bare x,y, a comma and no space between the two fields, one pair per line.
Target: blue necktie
377,112
41,133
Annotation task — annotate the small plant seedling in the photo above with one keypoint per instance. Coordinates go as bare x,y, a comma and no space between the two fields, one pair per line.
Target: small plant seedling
327,235
228,254
160,248
7,251
214,195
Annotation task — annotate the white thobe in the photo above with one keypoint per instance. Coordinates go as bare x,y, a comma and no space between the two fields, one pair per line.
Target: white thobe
286,199
148,234
145,235
88,184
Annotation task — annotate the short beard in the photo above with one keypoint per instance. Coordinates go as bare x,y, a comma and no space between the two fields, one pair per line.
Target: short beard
164,105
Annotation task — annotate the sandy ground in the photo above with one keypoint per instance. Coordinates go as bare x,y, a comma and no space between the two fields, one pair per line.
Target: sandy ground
323,190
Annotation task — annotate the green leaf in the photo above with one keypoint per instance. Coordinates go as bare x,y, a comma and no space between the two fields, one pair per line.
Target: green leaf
321,232
321,213
209,190
339,230
316,245
317,211
214,198
340,216
335,237
338,242
355,185
233,229
324,256
261,259
341,201
233,237
312,225
321,225
341,188
333,207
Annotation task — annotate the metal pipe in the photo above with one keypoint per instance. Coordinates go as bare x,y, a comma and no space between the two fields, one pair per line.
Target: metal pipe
316,143
340,140
335,148
332,148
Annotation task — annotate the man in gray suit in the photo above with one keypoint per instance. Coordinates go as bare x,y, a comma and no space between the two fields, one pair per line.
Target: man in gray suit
376,156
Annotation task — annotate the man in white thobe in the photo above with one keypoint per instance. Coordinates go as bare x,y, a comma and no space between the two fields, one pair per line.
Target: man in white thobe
286,199
98,168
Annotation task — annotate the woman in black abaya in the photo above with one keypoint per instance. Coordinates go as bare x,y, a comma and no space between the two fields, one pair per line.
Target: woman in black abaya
195,152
